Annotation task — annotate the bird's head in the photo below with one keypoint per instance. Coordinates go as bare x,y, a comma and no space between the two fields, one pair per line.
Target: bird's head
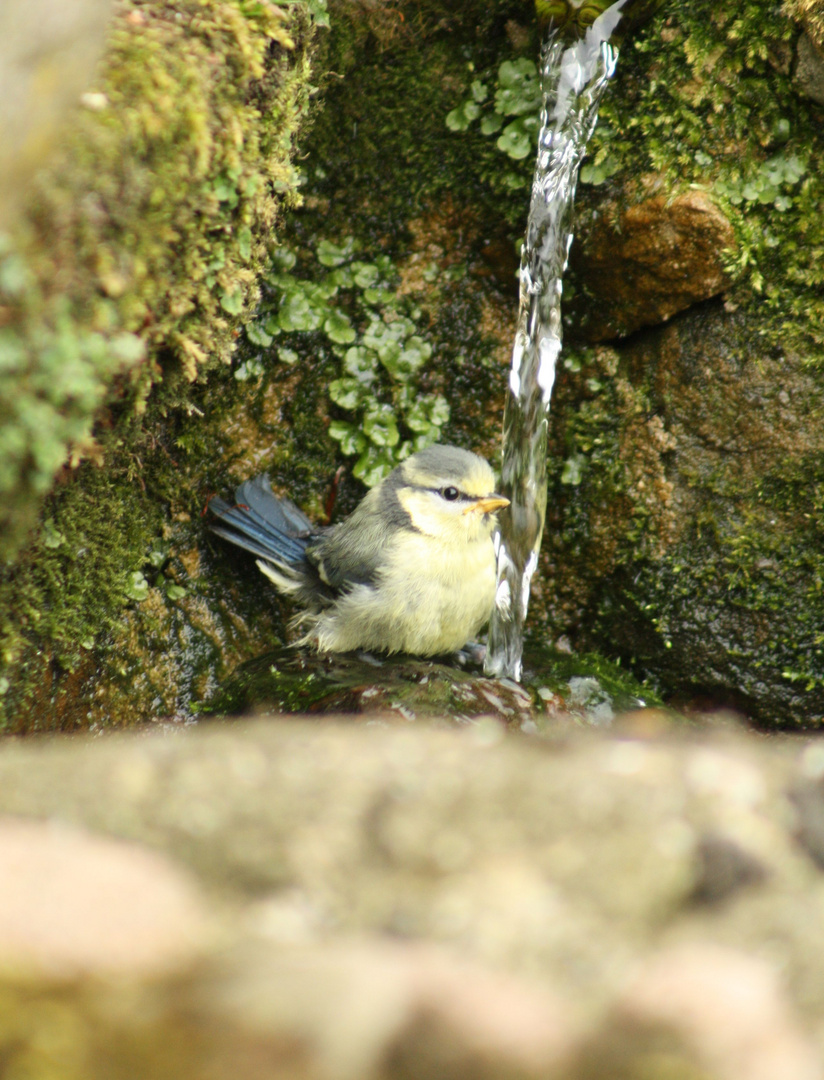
448,493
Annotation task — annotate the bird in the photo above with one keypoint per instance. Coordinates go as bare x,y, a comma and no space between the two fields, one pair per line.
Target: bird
411,570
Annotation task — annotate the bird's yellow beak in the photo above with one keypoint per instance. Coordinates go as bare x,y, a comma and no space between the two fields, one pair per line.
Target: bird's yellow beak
487,504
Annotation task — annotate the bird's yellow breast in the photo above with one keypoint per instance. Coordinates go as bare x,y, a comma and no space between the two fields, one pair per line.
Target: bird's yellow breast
431,597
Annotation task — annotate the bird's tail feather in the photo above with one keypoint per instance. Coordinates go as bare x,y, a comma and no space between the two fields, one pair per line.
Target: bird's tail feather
274,529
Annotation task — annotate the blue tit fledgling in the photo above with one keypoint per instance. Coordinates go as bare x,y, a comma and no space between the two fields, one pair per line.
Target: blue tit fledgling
412,569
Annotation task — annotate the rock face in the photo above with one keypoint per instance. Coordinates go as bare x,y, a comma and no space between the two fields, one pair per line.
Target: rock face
134,255
725,535
685,514
104,282
358,903
809,72
810,13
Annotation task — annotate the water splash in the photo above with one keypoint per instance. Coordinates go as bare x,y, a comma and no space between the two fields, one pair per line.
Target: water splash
573,80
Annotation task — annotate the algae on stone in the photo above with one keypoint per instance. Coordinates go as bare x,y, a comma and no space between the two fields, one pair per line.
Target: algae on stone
141,245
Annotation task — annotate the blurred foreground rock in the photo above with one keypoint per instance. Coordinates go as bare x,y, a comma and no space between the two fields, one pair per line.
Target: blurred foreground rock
74,903
278,899
48,52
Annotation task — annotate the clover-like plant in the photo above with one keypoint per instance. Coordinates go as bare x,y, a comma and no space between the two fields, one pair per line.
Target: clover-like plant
353,305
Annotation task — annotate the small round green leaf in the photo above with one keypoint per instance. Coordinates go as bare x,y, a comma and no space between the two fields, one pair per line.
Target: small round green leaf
365,274
330,254
351,438
361,362
373,465
137,587
258,336
514,141
339,329
232,302
346,392
380,426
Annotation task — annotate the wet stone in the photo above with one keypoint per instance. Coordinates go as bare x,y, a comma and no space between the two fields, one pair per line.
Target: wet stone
366,686
646,262
809,73
558,689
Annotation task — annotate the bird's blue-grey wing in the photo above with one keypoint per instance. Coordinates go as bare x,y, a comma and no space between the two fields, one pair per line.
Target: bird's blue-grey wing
280,513
263,524
342,561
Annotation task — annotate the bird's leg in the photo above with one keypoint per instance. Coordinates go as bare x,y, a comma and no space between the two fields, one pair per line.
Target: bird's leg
472,653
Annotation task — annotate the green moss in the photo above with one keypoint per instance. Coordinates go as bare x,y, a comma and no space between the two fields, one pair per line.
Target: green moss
112,615
609,496
685,521
585,687
400,158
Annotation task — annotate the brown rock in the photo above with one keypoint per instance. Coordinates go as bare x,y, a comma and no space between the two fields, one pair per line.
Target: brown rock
810,13
374,689
643,264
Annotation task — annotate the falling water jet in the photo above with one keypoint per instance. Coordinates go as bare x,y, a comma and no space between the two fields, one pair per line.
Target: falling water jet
577,62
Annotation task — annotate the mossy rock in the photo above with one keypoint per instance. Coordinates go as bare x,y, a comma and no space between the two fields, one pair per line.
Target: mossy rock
141,246
687,538
126,282
559,691
690,574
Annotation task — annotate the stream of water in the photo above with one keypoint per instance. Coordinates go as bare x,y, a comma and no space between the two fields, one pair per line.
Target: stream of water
573,79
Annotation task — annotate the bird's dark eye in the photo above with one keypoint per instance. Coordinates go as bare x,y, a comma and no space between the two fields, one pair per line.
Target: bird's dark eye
450,493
